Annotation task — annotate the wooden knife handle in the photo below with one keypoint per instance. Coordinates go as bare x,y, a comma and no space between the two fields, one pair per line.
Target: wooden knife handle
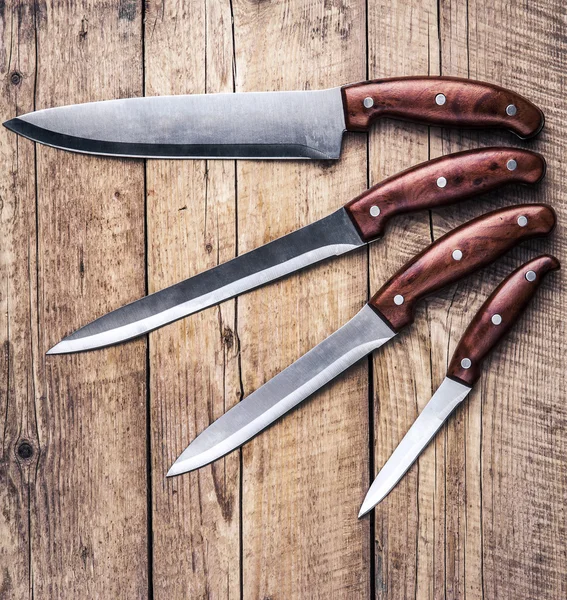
444,101
460,252
497,316
442,181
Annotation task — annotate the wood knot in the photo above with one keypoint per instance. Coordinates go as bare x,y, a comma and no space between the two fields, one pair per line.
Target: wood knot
25,450
227,337
208,247
16,78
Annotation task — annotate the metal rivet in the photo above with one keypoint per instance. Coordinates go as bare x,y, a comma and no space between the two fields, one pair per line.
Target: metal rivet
496,319
466,363
374,211
440,99
531,276
457,254
522,221
368,102
511,165
511,110
441,182
398,299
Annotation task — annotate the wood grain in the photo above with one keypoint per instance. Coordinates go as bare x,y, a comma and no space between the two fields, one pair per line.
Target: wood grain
507,303
20,384
465,103
194,368
461,252
88,516
442,181
300,535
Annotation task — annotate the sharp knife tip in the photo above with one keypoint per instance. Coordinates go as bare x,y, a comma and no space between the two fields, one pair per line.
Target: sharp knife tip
176,469
10,124
57,349
365,509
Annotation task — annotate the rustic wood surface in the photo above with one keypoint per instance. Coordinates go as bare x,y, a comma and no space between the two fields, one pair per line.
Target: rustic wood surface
85,508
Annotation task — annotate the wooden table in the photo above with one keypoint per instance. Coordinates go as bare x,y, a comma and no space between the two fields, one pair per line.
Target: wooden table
85,508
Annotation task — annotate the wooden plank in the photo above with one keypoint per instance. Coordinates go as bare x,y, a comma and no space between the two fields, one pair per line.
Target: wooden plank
18,306
522,442
304,478
88,516
402,42
194,374
443,552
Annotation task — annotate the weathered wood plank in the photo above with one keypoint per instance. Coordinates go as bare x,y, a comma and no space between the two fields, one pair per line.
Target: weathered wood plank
194,376
303,479
402,42
450,513
88,518
523,439
18,303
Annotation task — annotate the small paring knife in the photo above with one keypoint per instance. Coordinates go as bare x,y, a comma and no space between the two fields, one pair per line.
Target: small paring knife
465,249
273,125
430,184
492,322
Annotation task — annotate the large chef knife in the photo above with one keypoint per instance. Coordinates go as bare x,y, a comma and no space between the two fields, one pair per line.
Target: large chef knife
458,253
492,322
304,124
434,183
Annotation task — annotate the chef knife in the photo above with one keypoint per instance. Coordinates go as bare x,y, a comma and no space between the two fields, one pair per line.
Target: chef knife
434,183
492,322
273,125
458,253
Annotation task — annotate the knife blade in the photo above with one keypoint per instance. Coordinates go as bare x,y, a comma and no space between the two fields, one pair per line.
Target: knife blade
492,322
434,183
478,242
272,125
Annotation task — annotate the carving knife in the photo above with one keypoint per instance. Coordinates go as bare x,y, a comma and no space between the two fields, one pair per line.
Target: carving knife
492,322
458,253
434,183
272,125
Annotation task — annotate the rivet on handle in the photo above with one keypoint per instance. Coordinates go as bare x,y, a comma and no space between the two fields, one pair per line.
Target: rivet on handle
531,276
496,319
440,99
466,363
511,110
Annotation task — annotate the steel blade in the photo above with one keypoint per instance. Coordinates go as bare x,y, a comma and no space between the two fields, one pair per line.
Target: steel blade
264,125
360,336
447,397
330,236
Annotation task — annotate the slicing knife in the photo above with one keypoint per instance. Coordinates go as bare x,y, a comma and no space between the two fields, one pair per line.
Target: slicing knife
435,183
455,255
272,125
492,322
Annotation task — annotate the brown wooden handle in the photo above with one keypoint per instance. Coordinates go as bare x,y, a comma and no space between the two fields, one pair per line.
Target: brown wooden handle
444,101
460,252
442,181
496,317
